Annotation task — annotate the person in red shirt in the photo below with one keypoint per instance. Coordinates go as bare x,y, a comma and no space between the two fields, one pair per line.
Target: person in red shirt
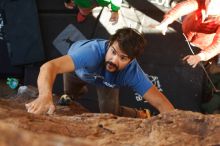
201,26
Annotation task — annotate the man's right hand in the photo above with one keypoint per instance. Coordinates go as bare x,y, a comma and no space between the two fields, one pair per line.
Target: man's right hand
41,105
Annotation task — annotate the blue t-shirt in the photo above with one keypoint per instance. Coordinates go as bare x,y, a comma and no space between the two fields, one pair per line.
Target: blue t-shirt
89,58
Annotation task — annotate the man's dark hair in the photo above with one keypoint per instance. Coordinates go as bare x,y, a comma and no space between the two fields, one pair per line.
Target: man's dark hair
130,41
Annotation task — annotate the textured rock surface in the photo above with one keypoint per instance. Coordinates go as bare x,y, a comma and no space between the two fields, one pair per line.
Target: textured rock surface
169,129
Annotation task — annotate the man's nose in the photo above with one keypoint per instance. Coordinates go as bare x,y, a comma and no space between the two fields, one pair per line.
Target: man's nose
115,59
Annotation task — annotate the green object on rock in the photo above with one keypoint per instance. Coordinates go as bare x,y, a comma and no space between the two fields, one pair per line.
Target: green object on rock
12,83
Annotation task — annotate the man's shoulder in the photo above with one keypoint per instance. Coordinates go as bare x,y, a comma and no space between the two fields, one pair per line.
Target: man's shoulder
91,42
132,69
86,44
133,66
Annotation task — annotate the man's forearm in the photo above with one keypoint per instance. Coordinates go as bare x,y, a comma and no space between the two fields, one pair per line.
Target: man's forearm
158,100
162,103
46,79
165,106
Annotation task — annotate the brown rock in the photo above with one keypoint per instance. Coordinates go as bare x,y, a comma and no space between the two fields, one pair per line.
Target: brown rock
177,128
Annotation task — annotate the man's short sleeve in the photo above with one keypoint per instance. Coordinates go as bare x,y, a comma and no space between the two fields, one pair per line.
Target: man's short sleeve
85,53
142,84
137,80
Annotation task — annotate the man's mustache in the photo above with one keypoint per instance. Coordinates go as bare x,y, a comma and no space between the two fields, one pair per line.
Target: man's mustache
112,64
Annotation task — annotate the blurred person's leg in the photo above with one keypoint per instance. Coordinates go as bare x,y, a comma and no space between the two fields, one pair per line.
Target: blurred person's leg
108,99
73,88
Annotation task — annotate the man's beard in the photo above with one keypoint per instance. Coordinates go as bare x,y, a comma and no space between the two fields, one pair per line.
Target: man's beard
112,64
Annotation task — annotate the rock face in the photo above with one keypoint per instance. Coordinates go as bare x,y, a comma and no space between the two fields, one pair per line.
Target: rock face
177,128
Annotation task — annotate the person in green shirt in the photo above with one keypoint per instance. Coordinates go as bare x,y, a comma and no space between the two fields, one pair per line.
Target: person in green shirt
86,6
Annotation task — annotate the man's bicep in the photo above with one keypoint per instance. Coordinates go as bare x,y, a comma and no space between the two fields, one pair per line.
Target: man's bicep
63,64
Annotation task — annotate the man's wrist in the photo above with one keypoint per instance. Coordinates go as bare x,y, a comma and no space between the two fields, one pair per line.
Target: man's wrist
45,94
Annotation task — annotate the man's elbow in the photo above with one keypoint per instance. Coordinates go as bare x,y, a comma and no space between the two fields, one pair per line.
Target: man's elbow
48,67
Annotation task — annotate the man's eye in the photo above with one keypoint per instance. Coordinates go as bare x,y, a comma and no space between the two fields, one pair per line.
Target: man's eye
124,58
113,52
